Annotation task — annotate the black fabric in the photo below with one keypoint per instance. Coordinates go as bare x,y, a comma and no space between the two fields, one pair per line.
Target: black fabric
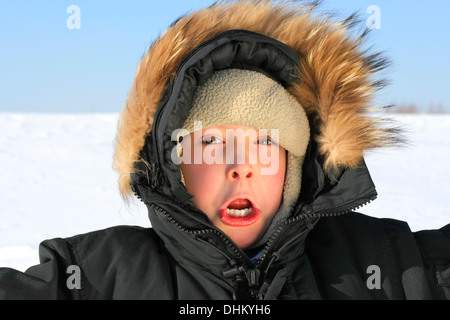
133,263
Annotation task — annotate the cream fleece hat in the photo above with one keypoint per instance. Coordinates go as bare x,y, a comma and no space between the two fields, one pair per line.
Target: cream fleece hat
236,97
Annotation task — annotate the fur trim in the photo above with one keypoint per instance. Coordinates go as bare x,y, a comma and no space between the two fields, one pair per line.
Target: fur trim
335,88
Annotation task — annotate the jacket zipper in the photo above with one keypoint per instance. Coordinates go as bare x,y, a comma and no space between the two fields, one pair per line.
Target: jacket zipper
196,233
242,267
332,212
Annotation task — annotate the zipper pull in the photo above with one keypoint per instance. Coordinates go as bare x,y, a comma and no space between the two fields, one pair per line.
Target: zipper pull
247,290
237,270
253,277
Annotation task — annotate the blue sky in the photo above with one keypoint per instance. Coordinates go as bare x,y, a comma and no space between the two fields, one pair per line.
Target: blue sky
46,67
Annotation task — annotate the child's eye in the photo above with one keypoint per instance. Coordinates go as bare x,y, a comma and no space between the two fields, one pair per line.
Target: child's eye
211,140
265,141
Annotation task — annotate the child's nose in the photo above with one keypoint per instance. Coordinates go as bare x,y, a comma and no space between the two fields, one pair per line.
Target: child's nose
241,171
241,168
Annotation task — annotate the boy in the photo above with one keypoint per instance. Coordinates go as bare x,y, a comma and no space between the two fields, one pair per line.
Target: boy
244,135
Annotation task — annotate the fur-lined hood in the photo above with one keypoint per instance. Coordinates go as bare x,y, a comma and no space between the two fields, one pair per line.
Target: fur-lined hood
336,78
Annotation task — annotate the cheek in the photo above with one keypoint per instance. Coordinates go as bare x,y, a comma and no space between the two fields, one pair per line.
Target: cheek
201,181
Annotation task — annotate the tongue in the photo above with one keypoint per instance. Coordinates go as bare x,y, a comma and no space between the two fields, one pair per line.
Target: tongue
240,204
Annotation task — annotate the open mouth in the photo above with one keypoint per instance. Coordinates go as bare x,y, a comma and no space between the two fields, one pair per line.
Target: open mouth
240,213
240,208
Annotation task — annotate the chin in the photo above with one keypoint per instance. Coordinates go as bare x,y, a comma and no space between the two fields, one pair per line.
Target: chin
243,238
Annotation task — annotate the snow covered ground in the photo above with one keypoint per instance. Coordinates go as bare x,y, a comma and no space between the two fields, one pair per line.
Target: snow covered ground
57,180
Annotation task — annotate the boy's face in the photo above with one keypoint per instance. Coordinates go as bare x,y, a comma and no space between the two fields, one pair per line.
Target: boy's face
239,181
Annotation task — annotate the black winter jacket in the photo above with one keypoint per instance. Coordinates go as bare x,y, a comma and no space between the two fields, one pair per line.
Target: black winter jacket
335,262
323,251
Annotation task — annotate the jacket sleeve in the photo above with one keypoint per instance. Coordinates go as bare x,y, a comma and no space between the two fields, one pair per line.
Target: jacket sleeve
48,280
434,246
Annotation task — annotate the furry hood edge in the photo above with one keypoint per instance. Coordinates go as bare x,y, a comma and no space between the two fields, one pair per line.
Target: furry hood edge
336,86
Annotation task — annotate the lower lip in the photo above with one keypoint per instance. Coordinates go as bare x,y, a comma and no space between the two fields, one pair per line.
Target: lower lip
240,222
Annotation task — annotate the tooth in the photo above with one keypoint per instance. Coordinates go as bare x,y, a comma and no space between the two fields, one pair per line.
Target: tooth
239,213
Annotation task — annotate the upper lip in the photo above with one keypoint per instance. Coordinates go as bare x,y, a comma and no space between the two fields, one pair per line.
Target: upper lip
238,196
